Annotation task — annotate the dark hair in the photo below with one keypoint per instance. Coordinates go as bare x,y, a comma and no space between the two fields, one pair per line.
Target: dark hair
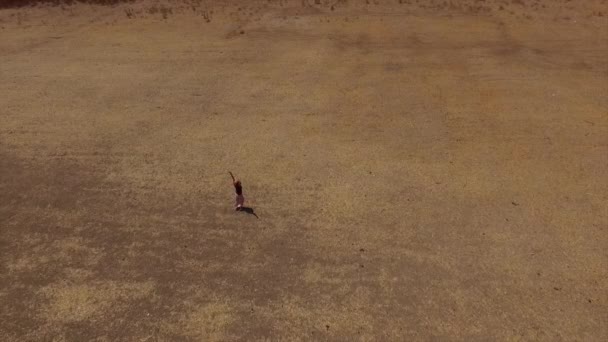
238,187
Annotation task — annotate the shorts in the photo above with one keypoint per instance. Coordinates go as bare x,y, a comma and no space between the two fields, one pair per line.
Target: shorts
240,200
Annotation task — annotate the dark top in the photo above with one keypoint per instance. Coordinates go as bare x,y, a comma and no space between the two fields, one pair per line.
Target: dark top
239,188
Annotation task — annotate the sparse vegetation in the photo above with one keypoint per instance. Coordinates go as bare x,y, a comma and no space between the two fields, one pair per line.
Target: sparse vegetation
207,15
130,13
421,171
24,3
165,11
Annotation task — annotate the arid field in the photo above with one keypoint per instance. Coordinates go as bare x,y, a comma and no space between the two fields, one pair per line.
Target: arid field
421,170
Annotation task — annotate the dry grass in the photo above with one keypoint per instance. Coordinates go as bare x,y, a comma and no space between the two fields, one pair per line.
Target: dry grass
421,170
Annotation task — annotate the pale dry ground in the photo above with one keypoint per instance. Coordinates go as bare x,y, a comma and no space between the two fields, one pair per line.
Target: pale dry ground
421,172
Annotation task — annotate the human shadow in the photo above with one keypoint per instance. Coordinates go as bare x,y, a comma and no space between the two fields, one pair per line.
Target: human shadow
250,211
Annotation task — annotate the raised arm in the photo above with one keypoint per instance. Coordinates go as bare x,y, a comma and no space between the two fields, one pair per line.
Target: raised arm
231,175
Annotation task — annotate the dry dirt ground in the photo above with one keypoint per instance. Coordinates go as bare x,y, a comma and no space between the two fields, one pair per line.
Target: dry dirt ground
422,170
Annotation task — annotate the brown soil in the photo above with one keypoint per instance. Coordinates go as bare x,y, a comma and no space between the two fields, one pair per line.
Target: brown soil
422,170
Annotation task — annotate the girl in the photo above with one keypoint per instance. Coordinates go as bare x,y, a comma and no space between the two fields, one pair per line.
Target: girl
240,200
